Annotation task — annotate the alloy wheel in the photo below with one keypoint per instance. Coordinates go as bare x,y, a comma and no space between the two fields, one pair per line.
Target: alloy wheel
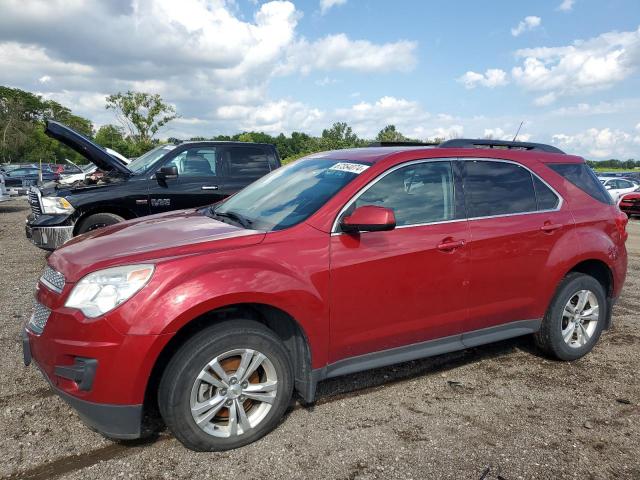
580,318
233,393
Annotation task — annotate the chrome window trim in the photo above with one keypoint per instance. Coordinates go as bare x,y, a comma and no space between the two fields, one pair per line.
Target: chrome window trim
336,232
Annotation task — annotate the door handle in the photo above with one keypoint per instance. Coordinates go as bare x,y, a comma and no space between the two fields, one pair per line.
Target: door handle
450,245
209,187
551,227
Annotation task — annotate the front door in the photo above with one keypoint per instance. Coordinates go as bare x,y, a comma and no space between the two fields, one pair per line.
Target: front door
198,182
407,285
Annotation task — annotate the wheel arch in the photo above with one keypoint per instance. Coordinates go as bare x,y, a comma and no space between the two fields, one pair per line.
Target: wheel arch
123,212
284,325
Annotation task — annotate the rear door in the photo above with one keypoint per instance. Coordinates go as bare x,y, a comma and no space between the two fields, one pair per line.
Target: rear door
515,220
199,181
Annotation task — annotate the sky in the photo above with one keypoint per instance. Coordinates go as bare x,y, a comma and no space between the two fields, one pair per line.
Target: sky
568,69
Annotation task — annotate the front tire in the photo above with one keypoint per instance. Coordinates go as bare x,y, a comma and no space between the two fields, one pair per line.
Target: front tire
226,387
575,319
98,220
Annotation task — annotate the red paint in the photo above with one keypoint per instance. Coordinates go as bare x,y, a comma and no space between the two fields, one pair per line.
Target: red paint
350,293
630,203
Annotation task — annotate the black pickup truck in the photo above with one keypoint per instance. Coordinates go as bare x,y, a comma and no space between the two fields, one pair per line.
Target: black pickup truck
169,177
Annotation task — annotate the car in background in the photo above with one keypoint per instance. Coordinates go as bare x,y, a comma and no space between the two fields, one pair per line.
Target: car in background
89,173
337,263
630,203
169,177
4,196
632,175
618,186
19,180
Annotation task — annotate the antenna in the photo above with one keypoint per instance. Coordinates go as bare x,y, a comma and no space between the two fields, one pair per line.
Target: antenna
517,131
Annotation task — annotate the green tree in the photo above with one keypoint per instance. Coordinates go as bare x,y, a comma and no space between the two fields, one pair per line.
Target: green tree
141,114
390,134
339,135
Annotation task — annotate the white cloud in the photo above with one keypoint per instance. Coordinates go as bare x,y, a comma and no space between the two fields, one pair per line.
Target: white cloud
499,134
584,109
584,66
600,143
340,52
207,56
273,117
325,5
325,81
493,77
566,5
529,23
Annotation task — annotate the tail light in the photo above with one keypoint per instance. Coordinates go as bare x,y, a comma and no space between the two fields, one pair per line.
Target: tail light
621,225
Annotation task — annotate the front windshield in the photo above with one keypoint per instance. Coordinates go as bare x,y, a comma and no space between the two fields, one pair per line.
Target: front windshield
289,195
144,161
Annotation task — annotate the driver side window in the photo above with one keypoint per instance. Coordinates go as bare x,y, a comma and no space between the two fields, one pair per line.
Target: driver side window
196,162
417,194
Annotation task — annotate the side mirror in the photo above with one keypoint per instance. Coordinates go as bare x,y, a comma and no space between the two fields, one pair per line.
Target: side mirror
167,172
369,218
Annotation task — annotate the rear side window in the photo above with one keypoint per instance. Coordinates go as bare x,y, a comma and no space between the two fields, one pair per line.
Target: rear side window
248,163
497,188
582,177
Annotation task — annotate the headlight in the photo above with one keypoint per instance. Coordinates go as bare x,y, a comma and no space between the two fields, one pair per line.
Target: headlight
102,291
56,205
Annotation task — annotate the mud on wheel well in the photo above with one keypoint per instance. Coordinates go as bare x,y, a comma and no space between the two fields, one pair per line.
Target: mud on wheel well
278,321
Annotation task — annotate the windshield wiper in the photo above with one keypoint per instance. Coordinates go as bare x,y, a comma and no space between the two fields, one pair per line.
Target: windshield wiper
236,217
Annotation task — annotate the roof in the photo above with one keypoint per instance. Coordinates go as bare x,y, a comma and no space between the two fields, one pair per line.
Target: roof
376,154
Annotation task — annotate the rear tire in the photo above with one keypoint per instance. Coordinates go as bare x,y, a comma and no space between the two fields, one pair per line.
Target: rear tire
98,220
198,404
575,319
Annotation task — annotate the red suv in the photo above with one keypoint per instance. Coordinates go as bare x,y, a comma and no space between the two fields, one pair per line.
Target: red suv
340,262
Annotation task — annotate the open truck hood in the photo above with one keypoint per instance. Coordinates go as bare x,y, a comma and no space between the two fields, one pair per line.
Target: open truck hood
85,147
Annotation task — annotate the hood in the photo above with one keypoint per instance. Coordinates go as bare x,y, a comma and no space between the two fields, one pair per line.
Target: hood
85,147
171,234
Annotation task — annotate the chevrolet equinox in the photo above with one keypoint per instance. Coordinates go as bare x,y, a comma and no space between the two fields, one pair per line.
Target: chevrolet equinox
340,262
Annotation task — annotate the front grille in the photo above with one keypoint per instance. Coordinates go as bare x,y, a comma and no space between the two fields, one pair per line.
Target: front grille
38,319
52,279
34,202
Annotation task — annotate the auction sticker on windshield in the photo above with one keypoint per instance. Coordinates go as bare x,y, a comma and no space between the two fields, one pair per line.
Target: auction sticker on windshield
356,168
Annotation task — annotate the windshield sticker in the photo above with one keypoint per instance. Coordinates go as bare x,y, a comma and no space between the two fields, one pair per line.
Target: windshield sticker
356,168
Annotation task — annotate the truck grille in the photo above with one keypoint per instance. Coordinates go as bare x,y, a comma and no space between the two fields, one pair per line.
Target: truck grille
52,279
34,202
38,319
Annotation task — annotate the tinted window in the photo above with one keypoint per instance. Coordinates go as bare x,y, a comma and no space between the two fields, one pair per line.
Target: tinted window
547,200
196,162
582,177
247,163
497,188
624,184
420,193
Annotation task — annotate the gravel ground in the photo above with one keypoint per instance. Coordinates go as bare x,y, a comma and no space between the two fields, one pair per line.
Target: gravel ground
501,407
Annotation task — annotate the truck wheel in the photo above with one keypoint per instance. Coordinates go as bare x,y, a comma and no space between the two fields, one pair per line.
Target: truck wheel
226,387
575,319
98,220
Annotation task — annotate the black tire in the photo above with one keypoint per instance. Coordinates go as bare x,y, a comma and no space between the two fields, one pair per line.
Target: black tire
98,220
549,337
174,392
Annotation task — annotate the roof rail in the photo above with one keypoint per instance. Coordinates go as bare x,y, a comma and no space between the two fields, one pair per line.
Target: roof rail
499,144
408,143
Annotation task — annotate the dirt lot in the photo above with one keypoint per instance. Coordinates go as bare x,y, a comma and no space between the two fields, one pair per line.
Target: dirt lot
502,407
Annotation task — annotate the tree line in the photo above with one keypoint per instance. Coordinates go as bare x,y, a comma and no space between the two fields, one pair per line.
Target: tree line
140,117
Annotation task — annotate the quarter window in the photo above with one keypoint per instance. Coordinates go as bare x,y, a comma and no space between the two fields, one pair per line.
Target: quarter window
497,188
417,194
547,200
582,177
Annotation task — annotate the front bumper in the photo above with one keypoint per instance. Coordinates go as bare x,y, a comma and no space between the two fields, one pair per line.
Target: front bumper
98,371
114,421
49,231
